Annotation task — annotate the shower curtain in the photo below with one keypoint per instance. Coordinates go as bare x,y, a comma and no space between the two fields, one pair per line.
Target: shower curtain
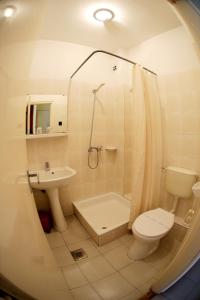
146,143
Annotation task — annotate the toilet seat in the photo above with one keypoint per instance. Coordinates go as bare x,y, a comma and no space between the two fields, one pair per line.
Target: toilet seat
153,223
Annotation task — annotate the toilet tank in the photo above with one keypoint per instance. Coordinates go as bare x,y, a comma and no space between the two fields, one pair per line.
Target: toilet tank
179,181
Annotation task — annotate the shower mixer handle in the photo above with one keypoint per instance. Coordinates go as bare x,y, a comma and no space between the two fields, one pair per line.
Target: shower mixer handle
97,148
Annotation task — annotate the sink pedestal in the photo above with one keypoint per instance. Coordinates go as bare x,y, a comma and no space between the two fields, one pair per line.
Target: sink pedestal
57,213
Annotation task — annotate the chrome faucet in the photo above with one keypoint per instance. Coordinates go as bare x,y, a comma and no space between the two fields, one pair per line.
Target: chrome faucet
96,148
32,175
46,166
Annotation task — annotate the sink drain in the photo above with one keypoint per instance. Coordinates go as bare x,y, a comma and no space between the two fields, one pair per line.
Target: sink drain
104,227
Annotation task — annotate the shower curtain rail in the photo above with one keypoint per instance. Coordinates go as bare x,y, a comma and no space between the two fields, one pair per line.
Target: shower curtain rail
108,53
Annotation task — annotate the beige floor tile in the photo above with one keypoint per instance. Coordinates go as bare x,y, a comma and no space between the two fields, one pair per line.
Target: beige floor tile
73,276
85,293
125,238
109,246
169,242
74,234
63,256
128,243
55,239
113,287
64,295
73,223
96,268
118,257
138,273
72,220
87,245
135,295
159,259
145,287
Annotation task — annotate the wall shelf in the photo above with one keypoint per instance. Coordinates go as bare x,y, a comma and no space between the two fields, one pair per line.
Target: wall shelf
45,135
111,148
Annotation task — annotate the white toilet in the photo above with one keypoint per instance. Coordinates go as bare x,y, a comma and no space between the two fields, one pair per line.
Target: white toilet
154,224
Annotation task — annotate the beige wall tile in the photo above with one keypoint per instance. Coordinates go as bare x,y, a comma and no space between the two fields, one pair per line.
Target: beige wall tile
73,150
181,103
113,126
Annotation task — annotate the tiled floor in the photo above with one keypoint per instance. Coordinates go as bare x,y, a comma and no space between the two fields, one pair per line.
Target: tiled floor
107,273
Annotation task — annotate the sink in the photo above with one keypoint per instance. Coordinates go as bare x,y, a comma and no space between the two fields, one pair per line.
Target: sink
51,181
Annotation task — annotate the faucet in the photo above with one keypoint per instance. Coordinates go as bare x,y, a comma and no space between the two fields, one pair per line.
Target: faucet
32,175
97,148
46,166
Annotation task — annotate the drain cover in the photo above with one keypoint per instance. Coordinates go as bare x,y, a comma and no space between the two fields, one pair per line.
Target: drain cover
79,254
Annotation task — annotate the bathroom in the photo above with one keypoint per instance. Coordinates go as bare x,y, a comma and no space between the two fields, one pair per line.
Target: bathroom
38,57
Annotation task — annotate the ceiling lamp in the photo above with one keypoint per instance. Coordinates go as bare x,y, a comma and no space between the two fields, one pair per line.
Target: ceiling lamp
9,11
103,14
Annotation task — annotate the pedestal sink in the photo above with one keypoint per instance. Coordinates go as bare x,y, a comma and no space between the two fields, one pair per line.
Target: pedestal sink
51,181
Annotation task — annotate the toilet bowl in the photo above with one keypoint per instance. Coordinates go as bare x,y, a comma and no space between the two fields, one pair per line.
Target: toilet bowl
148,229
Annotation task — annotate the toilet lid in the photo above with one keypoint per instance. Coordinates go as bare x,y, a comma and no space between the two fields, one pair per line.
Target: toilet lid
154,222
161,216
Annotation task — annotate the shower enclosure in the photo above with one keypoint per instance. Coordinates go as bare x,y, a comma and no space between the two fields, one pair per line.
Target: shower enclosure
99,144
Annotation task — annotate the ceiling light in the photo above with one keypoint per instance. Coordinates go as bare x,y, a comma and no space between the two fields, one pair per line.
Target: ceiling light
103,14
9,11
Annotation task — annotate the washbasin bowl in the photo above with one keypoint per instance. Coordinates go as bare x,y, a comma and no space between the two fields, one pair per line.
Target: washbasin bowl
54,178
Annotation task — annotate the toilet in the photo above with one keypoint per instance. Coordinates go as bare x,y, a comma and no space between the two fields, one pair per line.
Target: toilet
152,225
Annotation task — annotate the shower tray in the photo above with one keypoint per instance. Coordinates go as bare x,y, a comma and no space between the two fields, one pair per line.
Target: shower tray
105,217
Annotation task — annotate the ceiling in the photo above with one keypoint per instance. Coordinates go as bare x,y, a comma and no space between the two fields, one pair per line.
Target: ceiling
135,22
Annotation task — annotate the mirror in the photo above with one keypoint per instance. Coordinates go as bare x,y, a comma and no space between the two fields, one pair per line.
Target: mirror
39,118
46,114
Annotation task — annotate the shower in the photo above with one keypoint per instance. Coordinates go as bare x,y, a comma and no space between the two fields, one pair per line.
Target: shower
96,90
91,148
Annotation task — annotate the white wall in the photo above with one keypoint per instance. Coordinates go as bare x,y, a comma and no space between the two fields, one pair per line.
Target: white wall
167,53
172,56
55,60
25,257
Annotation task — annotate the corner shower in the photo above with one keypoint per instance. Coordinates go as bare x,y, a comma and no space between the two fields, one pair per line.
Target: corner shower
91,148
97,149
103,209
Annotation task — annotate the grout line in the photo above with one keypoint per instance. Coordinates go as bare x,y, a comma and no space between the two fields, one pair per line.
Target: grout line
122,278
64,277
102,254
96,292
67,244
91,282
130,283
87,283
115,271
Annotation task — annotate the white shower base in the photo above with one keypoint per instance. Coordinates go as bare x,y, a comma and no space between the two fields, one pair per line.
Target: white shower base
105,217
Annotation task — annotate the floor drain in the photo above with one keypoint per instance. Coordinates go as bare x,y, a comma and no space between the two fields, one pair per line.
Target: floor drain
78,254
104,227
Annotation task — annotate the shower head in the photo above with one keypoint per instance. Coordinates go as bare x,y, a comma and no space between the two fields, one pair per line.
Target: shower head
97,89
